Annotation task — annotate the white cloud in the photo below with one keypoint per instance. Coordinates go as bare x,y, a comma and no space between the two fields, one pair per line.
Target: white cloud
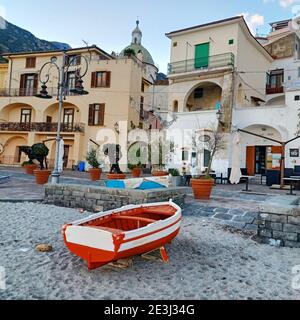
283,3
254,21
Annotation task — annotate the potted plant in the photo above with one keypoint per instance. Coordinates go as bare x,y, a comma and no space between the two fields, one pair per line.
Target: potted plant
95,171
136,170
202,185
29,167
41,176
176,178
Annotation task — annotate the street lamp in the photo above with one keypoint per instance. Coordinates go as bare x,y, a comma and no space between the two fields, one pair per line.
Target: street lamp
62,91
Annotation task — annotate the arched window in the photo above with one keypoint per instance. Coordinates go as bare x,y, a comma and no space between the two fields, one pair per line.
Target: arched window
135,40
175,106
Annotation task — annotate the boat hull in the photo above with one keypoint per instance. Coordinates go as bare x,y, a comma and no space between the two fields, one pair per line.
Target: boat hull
100,247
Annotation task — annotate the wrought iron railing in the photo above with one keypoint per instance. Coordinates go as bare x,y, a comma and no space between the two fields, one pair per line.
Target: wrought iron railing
216,61
41,127
30,92
274,90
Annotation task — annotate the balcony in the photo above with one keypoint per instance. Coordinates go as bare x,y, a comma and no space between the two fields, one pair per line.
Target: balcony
31,92
204,64
274,90
42,127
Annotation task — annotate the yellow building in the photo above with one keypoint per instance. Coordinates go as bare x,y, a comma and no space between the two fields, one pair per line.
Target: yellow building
115,86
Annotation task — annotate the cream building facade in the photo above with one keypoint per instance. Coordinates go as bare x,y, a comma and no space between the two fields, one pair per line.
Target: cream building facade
115,86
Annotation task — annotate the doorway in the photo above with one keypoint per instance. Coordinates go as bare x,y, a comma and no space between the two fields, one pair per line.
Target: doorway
66,155
260,159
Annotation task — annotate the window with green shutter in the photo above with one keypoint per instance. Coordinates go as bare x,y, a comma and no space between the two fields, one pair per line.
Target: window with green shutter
202,55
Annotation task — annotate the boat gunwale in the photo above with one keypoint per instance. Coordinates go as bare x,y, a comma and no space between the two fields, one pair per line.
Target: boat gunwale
103,214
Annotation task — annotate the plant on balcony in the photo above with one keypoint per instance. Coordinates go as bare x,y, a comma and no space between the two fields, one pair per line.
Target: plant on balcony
214,143
95,171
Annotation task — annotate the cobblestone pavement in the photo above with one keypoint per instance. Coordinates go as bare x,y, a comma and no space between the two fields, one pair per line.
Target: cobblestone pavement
228,206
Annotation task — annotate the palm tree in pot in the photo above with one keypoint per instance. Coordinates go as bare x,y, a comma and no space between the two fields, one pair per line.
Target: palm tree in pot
95,171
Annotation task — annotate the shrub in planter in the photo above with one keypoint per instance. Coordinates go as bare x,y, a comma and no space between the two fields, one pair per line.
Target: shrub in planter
175,177
136,170
95,171
29,167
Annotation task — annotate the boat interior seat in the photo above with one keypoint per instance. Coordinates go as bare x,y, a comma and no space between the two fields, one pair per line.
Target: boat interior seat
133,218
111,230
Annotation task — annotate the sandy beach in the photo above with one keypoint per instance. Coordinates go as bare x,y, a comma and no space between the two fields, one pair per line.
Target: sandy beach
208,261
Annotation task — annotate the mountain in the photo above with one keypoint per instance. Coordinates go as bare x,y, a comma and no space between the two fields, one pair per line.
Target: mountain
16,39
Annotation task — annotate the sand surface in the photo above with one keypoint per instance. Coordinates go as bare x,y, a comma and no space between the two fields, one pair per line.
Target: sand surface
207,262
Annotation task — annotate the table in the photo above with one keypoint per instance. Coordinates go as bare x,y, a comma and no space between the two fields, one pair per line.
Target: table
293,181
247,178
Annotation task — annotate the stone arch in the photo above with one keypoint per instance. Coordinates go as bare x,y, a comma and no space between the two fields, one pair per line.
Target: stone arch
11,154
209,99
267,130
12,112
51,112
276,101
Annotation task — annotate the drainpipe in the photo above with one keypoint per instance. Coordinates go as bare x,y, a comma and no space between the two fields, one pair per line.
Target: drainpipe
10,75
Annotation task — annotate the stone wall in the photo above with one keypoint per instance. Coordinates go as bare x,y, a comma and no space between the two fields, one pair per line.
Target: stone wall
97,199
279,222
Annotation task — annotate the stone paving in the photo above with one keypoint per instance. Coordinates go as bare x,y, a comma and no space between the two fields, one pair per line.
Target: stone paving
228,206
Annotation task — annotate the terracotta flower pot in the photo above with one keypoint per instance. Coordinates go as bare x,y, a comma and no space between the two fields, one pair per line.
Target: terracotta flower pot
42,176
160,173
115,176
95,174
202,188
136,172
29,168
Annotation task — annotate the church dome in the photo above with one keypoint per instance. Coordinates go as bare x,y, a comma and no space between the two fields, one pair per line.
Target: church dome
136,45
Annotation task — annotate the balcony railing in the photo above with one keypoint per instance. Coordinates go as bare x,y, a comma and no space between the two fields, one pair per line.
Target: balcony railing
42,127
25,92
217,61
274,90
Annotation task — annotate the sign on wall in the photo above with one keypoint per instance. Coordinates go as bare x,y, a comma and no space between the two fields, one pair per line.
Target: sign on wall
294,153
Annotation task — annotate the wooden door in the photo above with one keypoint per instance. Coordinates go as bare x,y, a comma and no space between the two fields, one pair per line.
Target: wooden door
250,160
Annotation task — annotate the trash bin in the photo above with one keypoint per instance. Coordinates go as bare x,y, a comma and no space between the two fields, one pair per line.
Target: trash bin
81,166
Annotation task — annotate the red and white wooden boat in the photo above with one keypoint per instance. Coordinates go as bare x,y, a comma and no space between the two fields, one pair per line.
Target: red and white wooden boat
118,234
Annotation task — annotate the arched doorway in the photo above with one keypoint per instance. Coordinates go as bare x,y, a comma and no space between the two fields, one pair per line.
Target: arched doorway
12,154
204,96
261,154
175,106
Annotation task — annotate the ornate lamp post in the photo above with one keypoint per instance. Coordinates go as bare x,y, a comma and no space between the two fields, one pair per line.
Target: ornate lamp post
62,92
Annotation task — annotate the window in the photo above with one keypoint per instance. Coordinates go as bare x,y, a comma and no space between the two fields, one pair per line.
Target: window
206,158
101,79
28,84
175,44
142,108
25,116
198,93
30,62
175,106
297,98
298,72
68,116
73,60
96,114
275,81
185,155
71,80
231,41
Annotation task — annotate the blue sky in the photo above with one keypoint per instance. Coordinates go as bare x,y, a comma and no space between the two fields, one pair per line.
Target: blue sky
109,24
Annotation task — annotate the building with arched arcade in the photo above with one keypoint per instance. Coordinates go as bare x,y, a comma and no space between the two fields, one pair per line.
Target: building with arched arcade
117,87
